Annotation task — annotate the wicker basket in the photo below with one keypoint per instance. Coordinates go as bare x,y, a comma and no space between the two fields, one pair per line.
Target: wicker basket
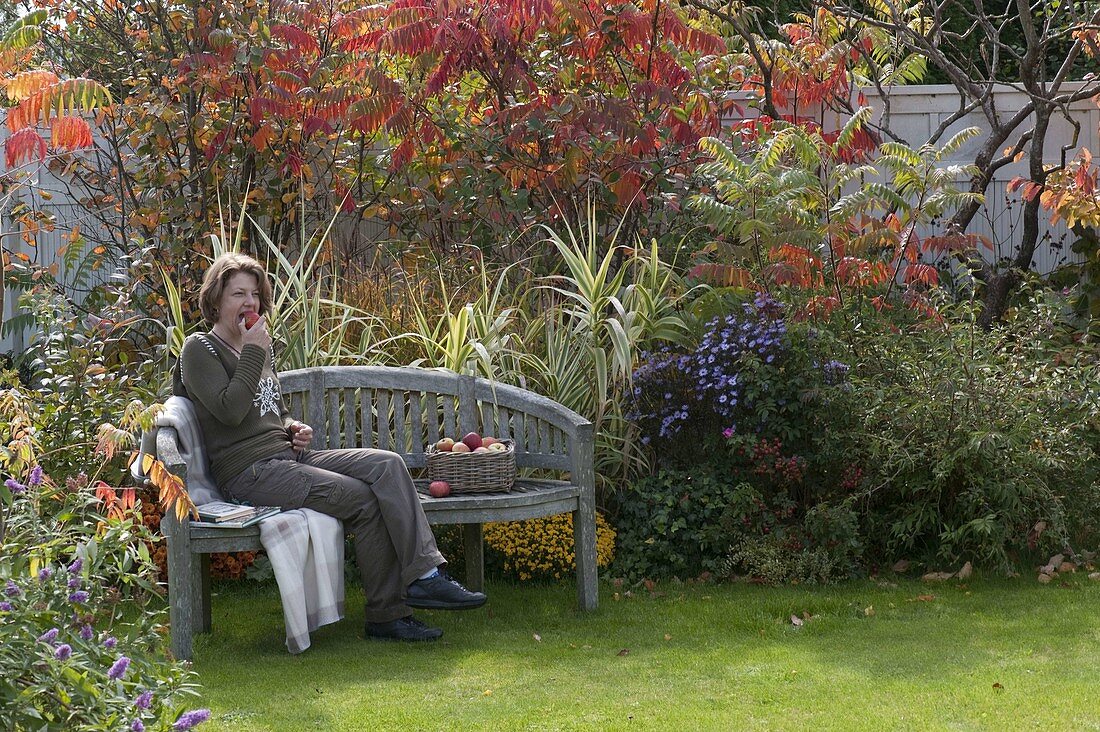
474,472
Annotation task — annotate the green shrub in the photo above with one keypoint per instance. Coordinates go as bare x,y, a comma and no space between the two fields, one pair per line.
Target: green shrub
671,524
82,628
982,445
825,547
743,426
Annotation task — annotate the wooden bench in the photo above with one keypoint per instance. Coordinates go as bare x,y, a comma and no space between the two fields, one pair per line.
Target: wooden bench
406,409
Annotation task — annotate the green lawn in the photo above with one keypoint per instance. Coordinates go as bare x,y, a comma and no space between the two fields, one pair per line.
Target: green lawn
988,654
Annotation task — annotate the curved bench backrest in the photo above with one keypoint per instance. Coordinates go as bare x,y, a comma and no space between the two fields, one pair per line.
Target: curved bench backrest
405,409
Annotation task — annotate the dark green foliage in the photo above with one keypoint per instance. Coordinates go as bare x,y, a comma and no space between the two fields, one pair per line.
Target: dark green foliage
976,438
672,524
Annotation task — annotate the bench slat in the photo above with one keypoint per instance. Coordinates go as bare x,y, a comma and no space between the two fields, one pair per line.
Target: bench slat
397,399
382,403
450,427
416,423
366,419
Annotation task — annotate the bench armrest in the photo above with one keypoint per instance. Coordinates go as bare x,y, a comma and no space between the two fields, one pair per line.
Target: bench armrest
168,452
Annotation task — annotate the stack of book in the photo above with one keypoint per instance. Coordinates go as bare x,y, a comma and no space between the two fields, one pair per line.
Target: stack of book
224,515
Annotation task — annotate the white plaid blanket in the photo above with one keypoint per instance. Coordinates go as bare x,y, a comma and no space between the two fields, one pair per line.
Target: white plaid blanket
306,547
307,554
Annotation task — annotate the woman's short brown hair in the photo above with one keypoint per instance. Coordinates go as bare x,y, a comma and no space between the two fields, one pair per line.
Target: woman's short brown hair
216,277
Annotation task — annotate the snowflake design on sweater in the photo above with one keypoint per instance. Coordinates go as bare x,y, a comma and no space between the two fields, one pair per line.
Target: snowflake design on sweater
267,396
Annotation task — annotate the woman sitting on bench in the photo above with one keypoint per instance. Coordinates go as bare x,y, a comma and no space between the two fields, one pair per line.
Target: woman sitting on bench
260,455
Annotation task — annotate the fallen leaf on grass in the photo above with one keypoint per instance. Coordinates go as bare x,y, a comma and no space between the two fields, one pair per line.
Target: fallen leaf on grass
926,598
869,612
649,584
487,692
1094,576
537,637
1067,567
796,621
997,685
937,576
1045,579
624,652
902,565
668,637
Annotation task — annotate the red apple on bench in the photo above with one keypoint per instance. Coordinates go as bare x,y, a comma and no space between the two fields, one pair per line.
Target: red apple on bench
439,489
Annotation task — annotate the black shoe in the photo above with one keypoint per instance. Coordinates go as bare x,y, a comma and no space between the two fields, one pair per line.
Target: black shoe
407,628
442,593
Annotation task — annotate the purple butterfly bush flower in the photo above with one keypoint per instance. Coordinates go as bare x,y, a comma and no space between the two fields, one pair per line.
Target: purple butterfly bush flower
5,606
63,652
49,636
137,726
44,574
12,590
144,700
118,669
76,566
109,642
74,583
80,596
86,632
835,372
15,486
36,476
189,719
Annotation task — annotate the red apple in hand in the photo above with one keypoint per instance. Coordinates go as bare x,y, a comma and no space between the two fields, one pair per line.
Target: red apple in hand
439,489
250,319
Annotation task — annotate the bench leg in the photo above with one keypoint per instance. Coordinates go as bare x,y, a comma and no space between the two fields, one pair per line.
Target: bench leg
475,556
584,538
181,604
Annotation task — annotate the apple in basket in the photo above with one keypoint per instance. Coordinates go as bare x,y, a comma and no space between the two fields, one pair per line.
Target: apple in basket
489,441
498,447
481,449
439,489
472,440
460,447
445,445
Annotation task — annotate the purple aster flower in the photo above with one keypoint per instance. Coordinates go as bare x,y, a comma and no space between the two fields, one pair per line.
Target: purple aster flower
144,700
15,486
137,726
12,590
109,642
86,632
76,566
36,476
118,670
63,652
80,596
190,719
49,636
44,574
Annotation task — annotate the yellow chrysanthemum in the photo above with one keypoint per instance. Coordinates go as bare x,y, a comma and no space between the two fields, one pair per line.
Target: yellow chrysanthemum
543,548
